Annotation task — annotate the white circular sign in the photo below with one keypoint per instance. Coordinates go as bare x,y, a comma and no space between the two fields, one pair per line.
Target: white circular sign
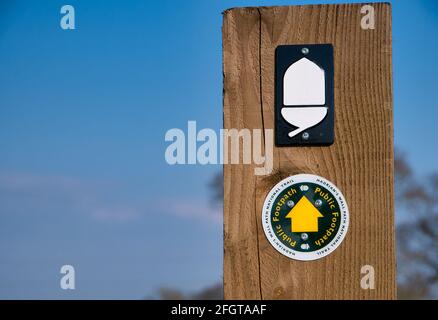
305,217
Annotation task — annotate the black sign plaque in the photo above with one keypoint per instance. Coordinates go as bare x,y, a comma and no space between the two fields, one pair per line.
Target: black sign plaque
304,97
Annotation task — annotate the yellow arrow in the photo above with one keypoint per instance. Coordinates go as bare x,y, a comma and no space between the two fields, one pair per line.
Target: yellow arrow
304,216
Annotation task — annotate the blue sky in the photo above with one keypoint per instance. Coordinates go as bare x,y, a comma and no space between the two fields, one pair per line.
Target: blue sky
83,115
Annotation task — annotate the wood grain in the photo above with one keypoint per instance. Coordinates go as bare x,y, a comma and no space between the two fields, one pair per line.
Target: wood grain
241,64
360,162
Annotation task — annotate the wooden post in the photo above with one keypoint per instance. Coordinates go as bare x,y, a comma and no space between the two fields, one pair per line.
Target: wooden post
360,162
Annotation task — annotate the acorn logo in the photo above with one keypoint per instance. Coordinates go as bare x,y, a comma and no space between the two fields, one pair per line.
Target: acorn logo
303,95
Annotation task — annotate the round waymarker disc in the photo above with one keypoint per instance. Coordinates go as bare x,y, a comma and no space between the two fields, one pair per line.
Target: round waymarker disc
305,217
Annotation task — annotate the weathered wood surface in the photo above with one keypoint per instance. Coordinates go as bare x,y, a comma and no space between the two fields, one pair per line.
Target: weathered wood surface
360,162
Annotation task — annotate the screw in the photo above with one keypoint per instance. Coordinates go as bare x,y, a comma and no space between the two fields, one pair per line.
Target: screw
318,203
290,203
305,50
304,236
305,136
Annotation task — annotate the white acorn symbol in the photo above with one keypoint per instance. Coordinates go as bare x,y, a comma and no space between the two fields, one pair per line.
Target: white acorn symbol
305,246
304,187
303,95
